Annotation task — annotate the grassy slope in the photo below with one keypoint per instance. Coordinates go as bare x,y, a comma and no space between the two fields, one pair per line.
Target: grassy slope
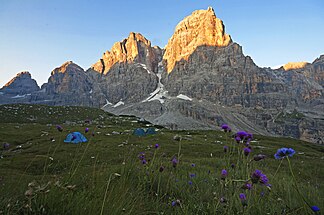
141,189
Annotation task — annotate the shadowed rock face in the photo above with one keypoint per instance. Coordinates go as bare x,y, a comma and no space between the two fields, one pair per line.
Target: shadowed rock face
22,84
69,84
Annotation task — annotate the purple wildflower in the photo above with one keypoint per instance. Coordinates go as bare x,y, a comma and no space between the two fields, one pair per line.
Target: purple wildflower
161,168
157,146
243,199
141,156
284,152
264,179
241,134
237,139
174,162
224,174
242,196
315,208
247,151
233,165
225,148
59,128
144,162
258,176
247,186
175,203
190,182
86,130
226,128
193,165
192,175
259,157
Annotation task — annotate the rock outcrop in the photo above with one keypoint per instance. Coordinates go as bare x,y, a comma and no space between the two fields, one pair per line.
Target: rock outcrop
294,65
134,49
69,84
22,84
202,27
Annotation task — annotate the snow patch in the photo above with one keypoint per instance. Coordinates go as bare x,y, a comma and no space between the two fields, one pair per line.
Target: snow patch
184,97
20,96
159,93
118,104
90,91
107,103
144,67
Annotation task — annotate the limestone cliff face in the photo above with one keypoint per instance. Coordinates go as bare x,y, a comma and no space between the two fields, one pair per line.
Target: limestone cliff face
22,84
70,85
134,49
202,27
294,65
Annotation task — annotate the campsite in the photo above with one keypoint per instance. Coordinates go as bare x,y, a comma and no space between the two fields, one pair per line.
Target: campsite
122,168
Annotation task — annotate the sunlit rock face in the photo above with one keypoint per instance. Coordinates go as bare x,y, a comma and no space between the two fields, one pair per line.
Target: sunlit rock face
22,84
202,27
134,49
294,65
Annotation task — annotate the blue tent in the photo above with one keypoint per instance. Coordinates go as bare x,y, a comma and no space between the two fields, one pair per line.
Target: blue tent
150,131
139,132
75,137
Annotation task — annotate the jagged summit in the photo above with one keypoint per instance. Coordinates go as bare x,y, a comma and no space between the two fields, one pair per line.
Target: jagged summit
136,48
202,27
21,84
68,65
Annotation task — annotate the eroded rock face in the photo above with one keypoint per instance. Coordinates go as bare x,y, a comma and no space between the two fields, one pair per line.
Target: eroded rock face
69,84
202,27
22,84
224,75
134,49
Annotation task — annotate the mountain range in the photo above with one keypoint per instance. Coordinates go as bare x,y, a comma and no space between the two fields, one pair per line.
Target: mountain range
199,80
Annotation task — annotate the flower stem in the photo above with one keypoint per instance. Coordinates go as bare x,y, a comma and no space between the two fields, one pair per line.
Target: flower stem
295,182
278,168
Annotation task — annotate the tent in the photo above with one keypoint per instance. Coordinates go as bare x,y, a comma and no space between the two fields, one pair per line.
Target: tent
75,137
150,131
139,132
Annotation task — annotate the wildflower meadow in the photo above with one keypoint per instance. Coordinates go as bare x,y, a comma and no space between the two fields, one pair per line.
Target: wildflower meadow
170,172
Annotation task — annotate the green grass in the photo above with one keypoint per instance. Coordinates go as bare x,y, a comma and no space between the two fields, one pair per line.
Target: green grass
105,176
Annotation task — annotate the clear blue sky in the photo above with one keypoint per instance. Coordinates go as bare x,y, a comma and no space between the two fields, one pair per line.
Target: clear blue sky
39,35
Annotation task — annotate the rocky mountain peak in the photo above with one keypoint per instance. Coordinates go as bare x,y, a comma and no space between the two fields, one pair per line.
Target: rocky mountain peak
202,27
294,65
21,84
134,49
67,66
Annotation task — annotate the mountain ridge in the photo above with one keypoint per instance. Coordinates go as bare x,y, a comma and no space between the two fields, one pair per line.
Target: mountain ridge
199,81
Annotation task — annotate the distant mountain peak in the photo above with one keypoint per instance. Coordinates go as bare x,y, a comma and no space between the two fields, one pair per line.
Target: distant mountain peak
22,83
135,48
202,27
68,65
